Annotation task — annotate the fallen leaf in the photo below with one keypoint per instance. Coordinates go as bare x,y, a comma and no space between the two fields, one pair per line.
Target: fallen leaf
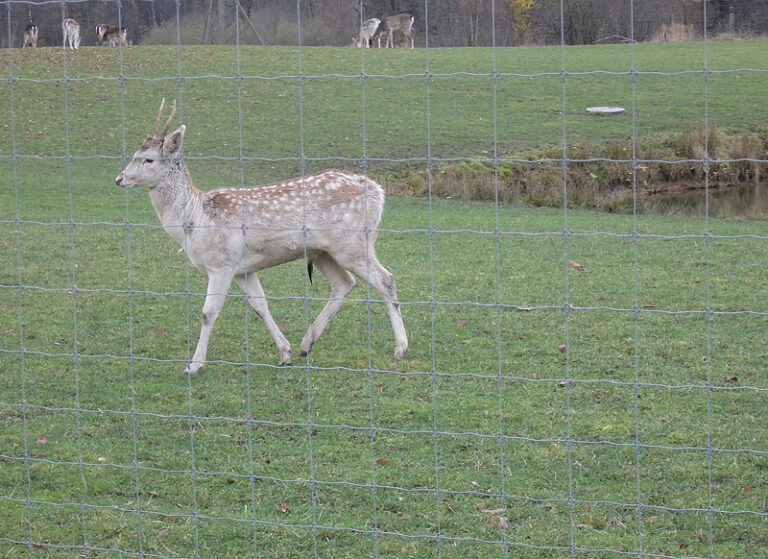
461,323
382,462
562,348
576,265
493,511
283,507
503,522
731,379
41,439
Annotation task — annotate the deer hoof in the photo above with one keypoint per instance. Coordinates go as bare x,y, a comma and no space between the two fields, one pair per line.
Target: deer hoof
192,368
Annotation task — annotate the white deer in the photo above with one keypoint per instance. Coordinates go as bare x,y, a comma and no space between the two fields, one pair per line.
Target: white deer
330,218
30,36
71,33
111,33
390,24
367,31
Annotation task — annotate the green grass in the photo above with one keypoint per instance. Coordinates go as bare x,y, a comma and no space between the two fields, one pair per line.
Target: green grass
475,370
352,454
528,99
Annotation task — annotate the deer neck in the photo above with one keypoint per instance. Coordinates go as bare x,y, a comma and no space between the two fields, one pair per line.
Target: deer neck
177,202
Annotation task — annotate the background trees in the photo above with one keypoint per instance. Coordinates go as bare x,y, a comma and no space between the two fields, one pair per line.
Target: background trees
438,23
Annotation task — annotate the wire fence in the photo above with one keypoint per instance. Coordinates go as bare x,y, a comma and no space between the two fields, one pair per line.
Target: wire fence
587,414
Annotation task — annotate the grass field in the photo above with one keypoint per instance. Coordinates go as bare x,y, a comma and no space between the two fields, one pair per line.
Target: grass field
644,434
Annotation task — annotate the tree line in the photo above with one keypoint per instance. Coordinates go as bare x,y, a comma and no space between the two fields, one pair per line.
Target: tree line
439,23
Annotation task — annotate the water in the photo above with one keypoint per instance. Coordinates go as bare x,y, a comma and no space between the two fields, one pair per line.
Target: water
724,201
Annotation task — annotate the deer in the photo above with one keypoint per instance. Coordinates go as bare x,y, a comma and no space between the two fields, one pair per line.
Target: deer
30,36
390,24
71,33
367,31
330,219
111,33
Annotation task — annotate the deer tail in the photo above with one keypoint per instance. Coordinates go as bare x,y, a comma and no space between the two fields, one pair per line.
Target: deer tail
310,268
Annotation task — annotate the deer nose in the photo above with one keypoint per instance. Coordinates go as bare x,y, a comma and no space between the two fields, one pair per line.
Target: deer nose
119,180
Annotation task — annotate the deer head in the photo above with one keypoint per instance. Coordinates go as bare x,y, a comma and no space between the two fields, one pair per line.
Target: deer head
159,153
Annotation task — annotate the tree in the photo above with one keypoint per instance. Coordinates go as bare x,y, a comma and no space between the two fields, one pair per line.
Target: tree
521,15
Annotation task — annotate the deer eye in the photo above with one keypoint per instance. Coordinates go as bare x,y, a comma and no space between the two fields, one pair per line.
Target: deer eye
149,161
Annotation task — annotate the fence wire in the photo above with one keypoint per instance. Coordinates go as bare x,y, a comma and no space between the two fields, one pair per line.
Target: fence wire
60,497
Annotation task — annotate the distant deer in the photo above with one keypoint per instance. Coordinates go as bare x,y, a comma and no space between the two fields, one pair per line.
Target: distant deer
330,218
390,24
30,36
111,33
71,33
367,31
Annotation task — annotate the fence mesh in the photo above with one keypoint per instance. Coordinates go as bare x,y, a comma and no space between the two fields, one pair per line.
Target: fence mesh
579,384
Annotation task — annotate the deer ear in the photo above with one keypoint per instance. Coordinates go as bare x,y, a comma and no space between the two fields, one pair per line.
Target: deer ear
172,142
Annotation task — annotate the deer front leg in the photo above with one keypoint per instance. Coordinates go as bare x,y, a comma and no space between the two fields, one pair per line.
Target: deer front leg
218,287
251,285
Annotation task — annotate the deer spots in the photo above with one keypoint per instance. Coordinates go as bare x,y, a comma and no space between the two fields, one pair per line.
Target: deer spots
316,201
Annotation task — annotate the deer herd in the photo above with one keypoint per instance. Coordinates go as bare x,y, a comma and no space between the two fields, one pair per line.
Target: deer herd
371,29
375,28
105,34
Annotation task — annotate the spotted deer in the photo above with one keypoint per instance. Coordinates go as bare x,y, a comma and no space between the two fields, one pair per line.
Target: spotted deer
71,33
330,218
390,24
367,31
30,36
111,34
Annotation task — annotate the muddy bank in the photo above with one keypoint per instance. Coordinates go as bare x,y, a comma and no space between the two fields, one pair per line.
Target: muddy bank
663,171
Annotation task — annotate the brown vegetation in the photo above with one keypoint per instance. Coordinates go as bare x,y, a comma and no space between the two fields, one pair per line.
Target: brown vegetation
603,177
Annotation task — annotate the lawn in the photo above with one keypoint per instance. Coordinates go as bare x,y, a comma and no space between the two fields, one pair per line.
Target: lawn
578,384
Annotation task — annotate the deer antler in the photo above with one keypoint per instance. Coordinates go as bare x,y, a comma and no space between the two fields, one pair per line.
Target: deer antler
160,117
170,118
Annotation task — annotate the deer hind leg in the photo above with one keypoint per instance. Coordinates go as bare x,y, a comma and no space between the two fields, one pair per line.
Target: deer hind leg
369,269
251,285
342,283
218,287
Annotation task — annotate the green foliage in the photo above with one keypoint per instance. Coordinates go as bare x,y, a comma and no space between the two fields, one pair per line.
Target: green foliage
656,440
